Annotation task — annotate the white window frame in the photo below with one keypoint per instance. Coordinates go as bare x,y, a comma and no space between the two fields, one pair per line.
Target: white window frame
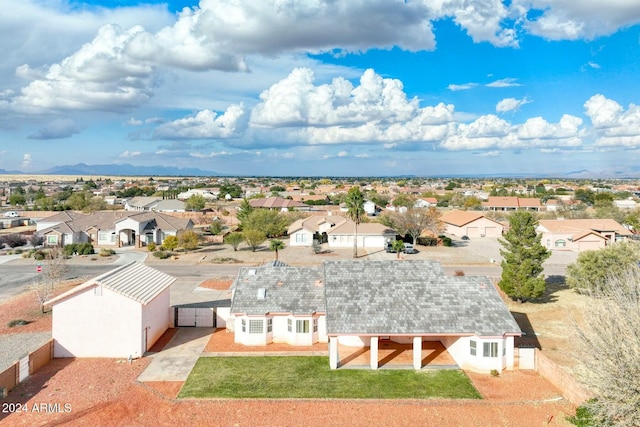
244,325
315,324
269,325
256,326
473,347
302,326
289,325
490,349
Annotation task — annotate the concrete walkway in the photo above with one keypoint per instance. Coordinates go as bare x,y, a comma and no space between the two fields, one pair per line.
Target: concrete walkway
177,359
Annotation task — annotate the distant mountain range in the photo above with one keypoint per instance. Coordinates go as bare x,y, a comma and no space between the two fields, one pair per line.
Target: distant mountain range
124,170
83,169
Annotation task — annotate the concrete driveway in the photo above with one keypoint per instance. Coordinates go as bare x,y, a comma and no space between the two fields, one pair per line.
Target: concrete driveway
177,359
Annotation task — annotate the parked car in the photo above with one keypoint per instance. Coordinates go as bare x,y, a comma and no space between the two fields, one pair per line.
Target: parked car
409,249
388,247
11,214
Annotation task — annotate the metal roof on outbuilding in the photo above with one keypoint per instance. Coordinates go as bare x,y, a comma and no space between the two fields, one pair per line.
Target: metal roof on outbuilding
136,281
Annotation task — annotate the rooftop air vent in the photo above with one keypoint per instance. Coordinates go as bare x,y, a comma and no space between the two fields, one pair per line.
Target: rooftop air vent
262,293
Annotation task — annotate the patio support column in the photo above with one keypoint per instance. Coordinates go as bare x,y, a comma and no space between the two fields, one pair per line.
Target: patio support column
417,353
374,353
334,357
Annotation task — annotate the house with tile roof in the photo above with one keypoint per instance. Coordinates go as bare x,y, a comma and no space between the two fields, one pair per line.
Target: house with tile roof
363,303
110,228
497,203
121,313
471,224
581,234
369,235
302,231
279,203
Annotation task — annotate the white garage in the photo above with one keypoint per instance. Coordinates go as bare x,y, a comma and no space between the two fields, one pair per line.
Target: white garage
119,314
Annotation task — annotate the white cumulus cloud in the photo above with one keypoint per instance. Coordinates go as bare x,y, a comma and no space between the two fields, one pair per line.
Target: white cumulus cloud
510,104
206,124
612,124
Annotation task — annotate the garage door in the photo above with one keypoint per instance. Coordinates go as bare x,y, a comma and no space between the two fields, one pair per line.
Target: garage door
473,231
491,232
373,241
200,317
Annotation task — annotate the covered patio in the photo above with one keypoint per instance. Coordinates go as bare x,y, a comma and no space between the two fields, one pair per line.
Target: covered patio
393,355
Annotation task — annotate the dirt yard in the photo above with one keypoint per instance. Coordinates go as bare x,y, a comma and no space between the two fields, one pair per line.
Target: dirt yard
105,392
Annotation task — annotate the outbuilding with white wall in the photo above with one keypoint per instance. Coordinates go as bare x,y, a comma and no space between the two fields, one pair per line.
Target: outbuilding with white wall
118,314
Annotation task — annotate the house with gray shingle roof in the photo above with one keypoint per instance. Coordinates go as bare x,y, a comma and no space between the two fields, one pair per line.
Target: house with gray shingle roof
361,303
120,313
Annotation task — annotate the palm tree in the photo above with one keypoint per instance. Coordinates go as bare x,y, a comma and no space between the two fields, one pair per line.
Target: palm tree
355,212
398,246
276,245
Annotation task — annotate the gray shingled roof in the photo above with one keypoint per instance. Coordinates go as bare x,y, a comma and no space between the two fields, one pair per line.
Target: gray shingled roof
411,297
136,281
296,290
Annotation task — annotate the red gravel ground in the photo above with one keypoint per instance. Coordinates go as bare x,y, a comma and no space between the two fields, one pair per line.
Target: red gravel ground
220,285
102,392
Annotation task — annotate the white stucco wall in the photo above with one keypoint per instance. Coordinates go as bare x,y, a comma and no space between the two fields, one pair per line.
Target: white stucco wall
97,324
156,318
301,238
280,331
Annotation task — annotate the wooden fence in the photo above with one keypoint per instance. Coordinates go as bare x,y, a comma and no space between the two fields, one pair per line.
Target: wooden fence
10,377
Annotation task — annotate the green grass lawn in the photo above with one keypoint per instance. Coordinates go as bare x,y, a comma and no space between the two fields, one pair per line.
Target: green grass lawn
310,377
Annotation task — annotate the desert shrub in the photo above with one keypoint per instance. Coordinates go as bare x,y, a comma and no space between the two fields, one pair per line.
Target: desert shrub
36,240
458,273
162,254
39,255
427,241
13,240
79,249
18,251
17,322
446,241
583,417
151,246
107,252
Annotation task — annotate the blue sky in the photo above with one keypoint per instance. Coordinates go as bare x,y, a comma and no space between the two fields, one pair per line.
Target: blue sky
319,87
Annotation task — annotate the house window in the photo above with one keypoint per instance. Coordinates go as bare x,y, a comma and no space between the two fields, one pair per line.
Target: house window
289,325
244,325
490,349
300,238
472,347
561,243
256,326
302,326
269,325
315,325
52,240
97,291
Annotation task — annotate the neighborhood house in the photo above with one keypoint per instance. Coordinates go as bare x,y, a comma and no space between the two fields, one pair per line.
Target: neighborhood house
360,304
581,234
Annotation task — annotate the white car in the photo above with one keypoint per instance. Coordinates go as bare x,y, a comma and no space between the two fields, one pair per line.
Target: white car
12,214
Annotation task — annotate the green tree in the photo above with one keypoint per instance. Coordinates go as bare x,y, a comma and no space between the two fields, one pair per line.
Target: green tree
276,245
188,239
195,203
398,246
96,203
234,239
78,201
591,269
271,223
523,256
170,243
355,212
216,227
403,201
17,199
244,210
254,238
